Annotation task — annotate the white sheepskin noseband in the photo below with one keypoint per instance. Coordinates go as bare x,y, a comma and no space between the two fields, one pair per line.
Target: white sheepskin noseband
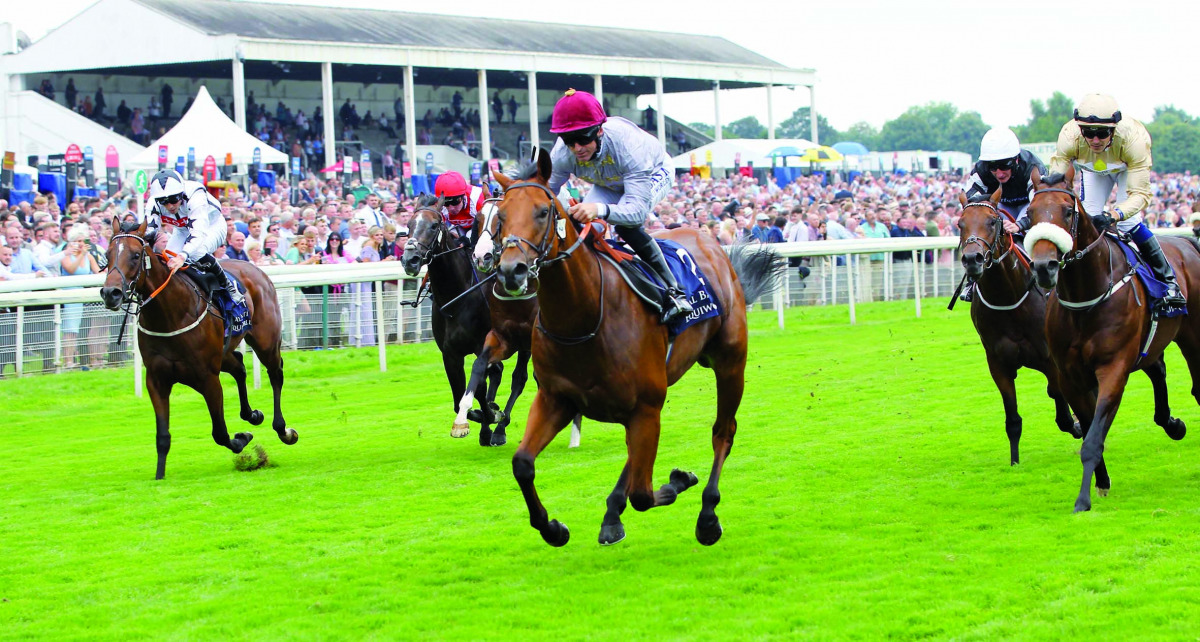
1049,232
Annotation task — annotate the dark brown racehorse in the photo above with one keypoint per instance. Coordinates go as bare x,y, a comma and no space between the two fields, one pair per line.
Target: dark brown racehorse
459,327
182,336
1009,313
1099,323
597,349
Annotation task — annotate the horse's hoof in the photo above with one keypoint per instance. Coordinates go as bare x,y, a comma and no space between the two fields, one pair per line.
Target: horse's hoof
1175,428
495,411
1076,431
1082,506
499,438
709,530
289,437
1103,492
556,534
255,418
611,533
485,436
460,430
683,477
475,415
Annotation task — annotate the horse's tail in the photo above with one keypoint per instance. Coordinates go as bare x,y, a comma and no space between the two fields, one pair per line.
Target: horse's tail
759,268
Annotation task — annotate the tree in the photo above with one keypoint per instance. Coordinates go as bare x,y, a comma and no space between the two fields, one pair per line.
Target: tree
964,133
1176,140
1047,119
861,132
747,127
799,125
704,128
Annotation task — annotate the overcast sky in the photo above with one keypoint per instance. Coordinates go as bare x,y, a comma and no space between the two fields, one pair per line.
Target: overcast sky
876,58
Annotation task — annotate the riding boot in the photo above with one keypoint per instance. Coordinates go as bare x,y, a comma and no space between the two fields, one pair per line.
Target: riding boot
1154,257
650,252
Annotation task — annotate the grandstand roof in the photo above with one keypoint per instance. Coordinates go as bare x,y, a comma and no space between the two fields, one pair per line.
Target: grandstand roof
200,37
407,29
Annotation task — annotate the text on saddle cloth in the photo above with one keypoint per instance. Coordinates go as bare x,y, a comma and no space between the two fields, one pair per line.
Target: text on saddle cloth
650,288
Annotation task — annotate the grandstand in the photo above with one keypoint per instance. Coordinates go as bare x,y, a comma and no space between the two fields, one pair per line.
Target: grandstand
309,57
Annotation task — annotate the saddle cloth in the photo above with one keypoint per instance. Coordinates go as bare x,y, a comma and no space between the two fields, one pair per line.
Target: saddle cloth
645,282
1155,289
236,315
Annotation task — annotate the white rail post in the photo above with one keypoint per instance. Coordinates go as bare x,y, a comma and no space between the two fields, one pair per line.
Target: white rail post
850,286
137,360
20,353
257,370
833,271
400,311
917,283
380,330
58,346
777,299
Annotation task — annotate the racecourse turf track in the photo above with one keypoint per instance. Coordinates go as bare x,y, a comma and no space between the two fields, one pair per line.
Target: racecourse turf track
868,495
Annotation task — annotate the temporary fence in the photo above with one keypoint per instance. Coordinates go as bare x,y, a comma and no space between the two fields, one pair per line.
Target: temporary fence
55,324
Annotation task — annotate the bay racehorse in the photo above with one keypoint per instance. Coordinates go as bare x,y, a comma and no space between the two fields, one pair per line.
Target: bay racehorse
458,329
1009,313
1099,323
182,336
597,349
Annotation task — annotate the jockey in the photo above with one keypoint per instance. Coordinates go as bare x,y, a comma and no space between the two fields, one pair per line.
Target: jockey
1111,150
1005,166
199,226
461,203
630,171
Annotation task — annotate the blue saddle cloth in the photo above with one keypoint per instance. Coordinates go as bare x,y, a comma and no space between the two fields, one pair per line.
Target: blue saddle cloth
237,315
691,280
1155,289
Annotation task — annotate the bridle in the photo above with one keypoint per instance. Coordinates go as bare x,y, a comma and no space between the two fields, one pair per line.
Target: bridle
1076,255
540,260
131,300
990,259
427,253
1071,257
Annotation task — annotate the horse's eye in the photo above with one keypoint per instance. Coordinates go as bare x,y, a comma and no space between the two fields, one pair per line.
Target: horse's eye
544,212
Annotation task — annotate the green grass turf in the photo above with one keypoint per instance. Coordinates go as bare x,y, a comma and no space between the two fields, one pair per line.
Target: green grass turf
868,495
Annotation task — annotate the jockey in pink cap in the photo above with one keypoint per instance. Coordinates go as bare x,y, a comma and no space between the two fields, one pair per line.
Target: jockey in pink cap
630,171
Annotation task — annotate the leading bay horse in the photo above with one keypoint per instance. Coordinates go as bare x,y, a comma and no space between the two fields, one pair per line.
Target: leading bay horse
597,349
1009,313
1099,323
182,336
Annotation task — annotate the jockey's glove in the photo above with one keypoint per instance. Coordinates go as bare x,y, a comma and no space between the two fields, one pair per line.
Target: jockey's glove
1103,220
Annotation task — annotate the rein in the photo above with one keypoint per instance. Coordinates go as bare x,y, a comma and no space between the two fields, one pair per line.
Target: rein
133,303
989,258
541,261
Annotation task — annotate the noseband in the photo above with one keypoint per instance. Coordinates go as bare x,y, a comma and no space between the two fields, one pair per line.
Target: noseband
989,247
132,302
427,253
1069,258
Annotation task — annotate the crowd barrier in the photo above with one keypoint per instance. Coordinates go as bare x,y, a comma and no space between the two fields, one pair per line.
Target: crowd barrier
368,304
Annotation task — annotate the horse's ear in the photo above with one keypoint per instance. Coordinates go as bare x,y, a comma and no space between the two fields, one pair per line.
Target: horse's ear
141,230
500,178
545,166
1035,175
1069,176
962,199
996,195
116,225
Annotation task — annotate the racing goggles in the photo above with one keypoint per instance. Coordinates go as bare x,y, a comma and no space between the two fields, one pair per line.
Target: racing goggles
452,201
170,200
1098,133
1007,164
581,136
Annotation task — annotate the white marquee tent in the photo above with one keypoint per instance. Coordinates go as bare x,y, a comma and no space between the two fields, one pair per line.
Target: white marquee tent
724,152
212,133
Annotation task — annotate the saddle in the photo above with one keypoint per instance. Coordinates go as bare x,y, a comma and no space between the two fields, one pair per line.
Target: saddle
648,286
1155,290
211,280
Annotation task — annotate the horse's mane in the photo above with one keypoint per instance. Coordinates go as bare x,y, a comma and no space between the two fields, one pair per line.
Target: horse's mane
526,171
129,226
427,200
978,198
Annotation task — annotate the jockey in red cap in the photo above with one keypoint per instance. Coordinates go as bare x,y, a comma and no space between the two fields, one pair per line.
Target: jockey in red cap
630,171
461,203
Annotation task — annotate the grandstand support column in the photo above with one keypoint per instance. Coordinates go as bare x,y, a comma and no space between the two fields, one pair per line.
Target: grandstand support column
770,112
812,113
239,91
534,128
598,87
327,112
716,110
410,118
485,121
661,121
